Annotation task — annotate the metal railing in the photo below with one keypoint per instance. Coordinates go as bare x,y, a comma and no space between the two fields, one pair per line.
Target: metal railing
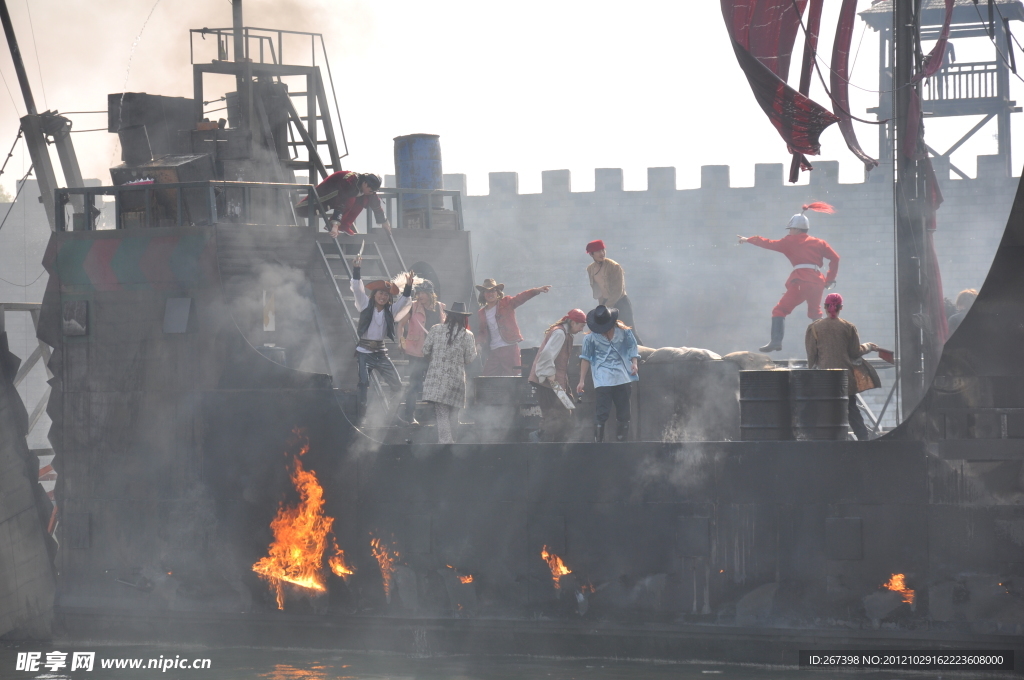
181,204
192,203
963,81
403,210
265,39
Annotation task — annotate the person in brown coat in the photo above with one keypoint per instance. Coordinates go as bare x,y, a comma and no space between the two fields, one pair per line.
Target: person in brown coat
550,373
834,343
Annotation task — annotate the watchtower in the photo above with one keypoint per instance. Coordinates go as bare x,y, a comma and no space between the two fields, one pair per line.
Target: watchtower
958,88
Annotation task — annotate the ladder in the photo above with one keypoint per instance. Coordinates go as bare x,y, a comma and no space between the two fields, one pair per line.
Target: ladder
303,129
372,261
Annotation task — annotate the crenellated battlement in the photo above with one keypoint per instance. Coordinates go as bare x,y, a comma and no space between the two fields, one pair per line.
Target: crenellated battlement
713,177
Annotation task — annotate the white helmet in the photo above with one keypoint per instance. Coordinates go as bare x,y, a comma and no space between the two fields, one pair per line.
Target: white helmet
799,221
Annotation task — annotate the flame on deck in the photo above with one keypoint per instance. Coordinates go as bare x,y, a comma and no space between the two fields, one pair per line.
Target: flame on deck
296,555
556,565
386,557
463,578
897,583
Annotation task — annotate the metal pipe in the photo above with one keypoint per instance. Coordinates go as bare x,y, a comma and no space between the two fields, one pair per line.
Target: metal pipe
236,25
19,65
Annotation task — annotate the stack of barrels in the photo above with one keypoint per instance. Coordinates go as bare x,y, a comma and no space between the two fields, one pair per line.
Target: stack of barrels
800,404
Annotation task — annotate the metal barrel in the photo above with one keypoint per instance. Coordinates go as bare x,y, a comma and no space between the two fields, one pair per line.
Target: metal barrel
764,406
819,401
418,166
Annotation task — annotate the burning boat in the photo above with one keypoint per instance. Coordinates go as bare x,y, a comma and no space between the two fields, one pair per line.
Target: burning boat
191,341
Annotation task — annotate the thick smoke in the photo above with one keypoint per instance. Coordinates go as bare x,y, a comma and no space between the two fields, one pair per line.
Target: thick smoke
84,50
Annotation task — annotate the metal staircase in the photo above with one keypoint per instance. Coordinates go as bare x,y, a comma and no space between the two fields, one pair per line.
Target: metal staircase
335,257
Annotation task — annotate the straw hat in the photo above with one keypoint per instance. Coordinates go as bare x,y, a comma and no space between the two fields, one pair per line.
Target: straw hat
490,284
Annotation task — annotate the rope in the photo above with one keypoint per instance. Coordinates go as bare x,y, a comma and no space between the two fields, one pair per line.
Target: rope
1002,57
91,130
817,70
10,153
21,185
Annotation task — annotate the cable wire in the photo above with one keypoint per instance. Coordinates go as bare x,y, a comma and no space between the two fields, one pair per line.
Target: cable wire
35,48
26,285
14,103
818,60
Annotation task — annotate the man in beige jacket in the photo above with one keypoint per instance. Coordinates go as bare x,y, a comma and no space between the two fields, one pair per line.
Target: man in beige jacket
834,343
608,282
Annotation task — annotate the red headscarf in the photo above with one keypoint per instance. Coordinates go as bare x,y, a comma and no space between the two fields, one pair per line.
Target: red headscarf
833,303
577,315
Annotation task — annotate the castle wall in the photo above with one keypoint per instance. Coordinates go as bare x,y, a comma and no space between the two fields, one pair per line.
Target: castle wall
689,282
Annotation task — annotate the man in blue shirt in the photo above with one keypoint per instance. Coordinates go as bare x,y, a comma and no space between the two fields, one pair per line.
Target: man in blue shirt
610,354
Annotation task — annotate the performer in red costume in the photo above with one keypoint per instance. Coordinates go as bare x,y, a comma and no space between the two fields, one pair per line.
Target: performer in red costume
805,283
346,194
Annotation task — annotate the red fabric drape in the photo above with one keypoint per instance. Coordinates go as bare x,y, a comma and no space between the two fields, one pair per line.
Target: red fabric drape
841,80
766,28
810,49
933,62
763,33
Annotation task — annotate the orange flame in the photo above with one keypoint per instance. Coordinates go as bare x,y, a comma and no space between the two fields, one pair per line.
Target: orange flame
897,583
338,564
386,559
468,578
556,565
300,538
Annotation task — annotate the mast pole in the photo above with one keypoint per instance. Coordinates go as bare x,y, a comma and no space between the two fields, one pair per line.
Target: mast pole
19,65
910,236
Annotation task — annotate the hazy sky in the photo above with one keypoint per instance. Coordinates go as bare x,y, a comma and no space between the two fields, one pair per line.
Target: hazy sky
525,86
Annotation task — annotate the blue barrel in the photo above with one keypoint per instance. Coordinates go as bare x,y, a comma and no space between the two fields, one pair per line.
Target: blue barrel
418,166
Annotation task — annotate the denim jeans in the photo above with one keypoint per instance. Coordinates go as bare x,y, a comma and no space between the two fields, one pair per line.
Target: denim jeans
380,362
417,371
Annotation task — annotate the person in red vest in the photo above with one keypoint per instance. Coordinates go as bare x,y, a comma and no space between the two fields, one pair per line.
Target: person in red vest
498,335
346,193
806,282
550,373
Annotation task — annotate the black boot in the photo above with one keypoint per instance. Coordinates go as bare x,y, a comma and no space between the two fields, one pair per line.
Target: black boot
598,433
778,330
622,431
